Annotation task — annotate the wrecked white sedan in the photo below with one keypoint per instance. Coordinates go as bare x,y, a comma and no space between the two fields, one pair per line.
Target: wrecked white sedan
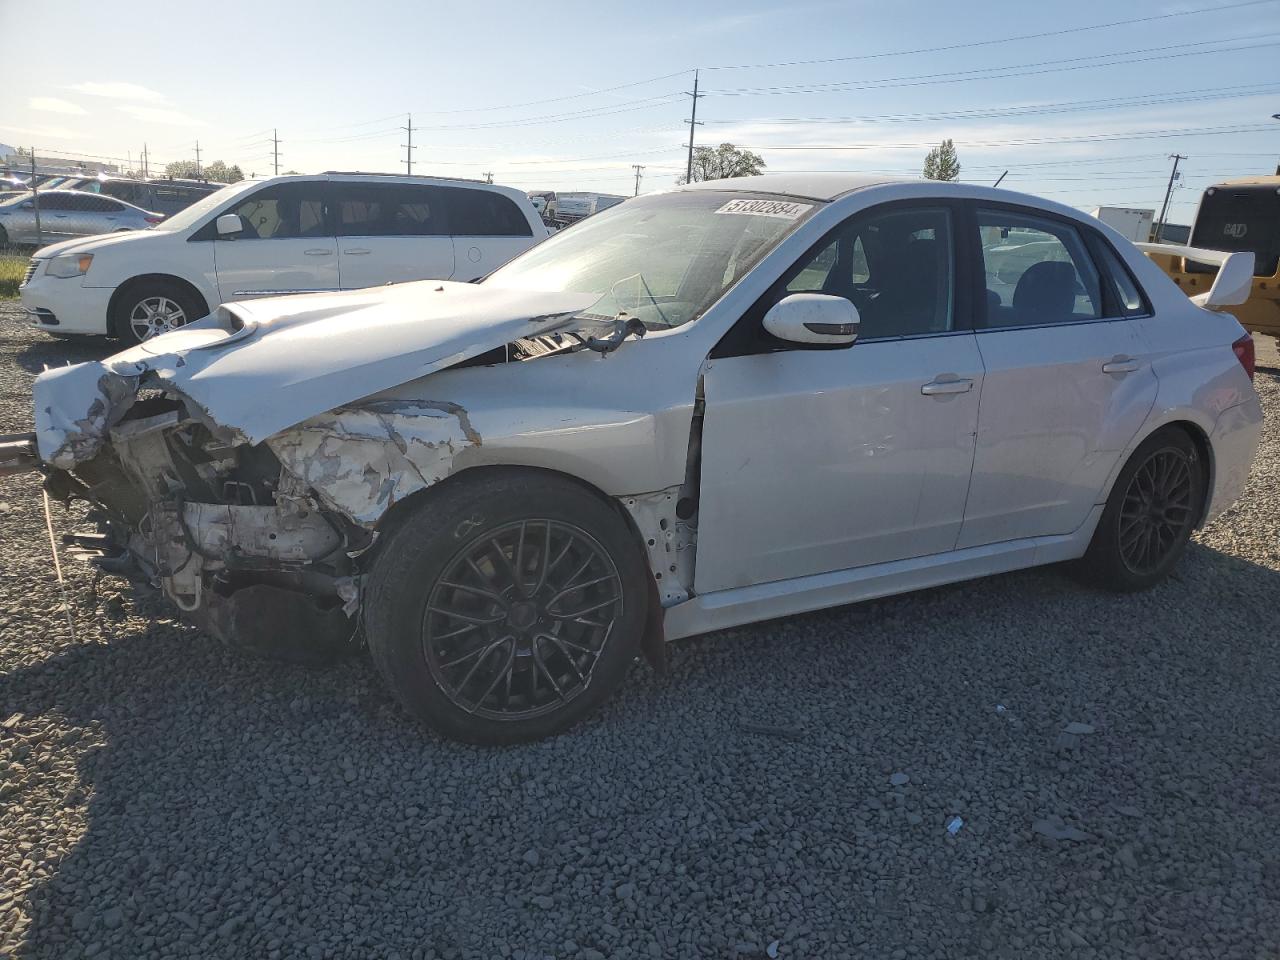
720,404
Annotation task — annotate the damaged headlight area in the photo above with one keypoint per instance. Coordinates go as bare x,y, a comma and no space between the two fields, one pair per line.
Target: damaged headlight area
231,537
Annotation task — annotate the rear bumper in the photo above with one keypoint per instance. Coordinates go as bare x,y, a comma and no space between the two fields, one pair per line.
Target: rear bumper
64,306
1234,443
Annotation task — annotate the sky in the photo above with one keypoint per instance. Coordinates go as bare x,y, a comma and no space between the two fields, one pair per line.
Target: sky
569,95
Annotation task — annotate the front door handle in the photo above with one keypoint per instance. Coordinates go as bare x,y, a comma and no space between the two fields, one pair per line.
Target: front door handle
317,252
356,252
941,386
1120,365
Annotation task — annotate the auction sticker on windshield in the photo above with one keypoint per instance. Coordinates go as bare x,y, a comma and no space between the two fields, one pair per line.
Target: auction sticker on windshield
782,209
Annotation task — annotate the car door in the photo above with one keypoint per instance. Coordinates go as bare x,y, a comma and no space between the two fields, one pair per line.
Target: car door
488,230
1068,380
821,460
58,219
390,232
286,244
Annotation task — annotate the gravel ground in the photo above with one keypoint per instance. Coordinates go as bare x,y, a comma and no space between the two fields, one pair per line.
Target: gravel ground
784,792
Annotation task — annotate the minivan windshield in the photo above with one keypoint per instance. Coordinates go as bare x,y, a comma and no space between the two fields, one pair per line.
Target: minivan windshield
663,259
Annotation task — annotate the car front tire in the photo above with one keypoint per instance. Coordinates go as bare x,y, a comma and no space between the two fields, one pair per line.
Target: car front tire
1155,504
506,606
152,308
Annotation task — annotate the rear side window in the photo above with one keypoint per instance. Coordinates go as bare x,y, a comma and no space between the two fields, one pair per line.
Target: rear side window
389,210
1124,290
52,201
1038,271
484,213
123,191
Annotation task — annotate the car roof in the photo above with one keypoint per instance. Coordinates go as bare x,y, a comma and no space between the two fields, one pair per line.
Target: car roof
810,186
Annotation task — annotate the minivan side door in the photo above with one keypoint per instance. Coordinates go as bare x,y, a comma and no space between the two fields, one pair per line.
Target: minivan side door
286,244
488,230
1068,376
390,232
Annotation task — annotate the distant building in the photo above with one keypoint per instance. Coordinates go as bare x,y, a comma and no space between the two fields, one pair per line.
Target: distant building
13,162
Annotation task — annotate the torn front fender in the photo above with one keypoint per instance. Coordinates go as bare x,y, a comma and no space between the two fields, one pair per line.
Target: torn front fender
76,407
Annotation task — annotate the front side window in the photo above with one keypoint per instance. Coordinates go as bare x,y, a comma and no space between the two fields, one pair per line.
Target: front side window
484,213
896,266
1037,270
283,212
389,210
663,259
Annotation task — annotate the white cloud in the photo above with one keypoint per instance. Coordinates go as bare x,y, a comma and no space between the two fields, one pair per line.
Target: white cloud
51,133
54,105
118,90
161,115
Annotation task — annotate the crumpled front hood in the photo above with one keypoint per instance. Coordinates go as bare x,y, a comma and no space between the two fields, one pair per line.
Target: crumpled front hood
258,367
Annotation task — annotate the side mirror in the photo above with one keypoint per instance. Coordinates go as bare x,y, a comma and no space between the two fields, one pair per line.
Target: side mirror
229,224
813,319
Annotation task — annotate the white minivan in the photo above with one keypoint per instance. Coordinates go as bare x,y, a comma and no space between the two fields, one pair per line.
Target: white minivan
289,234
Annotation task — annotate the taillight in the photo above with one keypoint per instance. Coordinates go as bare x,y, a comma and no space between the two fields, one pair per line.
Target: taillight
153,220
1244,353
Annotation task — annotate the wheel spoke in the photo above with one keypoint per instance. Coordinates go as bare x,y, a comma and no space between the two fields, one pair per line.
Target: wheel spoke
542,665
578,586
477,591
505,668
466,617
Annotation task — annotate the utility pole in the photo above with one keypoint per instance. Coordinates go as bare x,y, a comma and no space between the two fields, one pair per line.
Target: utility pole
275,149
144,162
488,176
693,122
639,169
408,147
198,167
35,199
1164,208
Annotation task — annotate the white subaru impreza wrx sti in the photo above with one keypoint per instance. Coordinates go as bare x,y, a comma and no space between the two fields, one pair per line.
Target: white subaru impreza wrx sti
732,401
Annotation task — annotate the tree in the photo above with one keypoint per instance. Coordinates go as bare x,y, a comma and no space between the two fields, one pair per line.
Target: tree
941,163
726,160
216,171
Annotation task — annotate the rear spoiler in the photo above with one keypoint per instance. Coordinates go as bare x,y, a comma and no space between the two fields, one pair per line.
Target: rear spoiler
1230,287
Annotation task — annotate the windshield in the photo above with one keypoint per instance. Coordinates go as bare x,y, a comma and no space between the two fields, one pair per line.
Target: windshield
189,215
663,259
1244,217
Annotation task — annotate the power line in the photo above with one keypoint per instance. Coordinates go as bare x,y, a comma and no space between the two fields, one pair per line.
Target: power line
987,43
994,73
1029,141
1021,110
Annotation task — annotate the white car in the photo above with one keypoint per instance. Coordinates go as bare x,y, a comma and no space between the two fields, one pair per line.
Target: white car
288,234
730,402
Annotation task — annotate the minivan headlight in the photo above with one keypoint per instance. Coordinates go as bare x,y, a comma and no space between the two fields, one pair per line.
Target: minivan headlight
69,265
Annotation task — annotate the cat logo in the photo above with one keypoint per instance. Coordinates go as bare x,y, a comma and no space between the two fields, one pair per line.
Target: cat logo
1236,230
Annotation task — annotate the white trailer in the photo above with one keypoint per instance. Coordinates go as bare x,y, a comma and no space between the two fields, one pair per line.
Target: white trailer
1133,223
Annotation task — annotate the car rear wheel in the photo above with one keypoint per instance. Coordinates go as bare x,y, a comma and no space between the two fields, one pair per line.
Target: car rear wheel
1149,517
151,309
506,607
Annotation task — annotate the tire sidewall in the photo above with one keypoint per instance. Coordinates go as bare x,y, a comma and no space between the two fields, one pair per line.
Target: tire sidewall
1104,559
421,547
121,327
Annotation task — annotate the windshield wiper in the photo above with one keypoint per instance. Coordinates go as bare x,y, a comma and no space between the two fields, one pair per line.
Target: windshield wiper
624,326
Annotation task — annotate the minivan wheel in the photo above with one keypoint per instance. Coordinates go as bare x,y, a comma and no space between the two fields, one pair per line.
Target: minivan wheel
1150,515
507,606
151,309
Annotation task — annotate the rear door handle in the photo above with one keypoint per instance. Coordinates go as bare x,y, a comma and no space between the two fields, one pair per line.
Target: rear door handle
940,386
317,252
1120,365
356,252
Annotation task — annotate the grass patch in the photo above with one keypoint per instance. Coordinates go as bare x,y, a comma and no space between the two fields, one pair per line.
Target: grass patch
12,267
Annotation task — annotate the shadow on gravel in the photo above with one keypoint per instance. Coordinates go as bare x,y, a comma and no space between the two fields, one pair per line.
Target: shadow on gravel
53,352
242,809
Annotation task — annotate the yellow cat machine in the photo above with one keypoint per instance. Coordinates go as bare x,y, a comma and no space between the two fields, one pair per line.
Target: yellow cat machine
1235,216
